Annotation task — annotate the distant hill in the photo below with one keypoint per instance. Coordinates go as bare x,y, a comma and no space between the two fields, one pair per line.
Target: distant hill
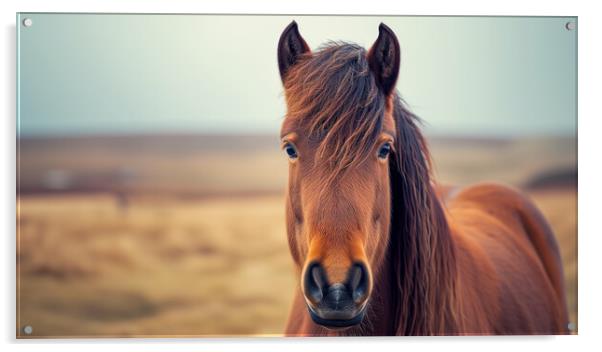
230,164
566,177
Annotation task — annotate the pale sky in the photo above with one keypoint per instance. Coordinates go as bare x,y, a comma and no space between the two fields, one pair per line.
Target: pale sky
84,74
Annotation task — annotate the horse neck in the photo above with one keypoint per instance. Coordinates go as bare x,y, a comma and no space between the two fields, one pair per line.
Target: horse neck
418,284
421,253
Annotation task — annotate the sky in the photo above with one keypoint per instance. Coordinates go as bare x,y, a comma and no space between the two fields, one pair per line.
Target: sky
120,74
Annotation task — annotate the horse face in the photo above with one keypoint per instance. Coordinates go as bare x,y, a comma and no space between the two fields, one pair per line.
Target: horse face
338,218
339,229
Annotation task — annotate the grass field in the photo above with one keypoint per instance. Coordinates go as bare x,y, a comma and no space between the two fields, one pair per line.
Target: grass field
169,267
179,237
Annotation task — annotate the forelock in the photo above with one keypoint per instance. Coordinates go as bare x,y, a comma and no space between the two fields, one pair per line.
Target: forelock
333,97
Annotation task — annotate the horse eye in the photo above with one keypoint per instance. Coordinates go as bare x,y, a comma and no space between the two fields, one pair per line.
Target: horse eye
384,151
291,151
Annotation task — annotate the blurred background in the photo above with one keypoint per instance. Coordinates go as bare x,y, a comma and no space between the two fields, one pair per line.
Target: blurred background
150,180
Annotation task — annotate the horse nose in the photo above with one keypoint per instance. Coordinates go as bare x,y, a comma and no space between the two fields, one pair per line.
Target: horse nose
337,298
336,301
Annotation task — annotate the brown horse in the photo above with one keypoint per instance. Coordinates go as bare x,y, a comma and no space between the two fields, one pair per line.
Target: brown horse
378,252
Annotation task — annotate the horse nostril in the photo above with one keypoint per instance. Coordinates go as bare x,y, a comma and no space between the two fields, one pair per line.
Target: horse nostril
315,282
355,288
358,282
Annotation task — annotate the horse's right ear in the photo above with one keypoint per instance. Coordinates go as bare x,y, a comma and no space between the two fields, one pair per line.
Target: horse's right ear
290,46
384,59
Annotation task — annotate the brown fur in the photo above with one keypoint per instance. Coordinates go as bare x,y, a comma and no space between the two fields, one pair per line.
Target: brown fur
486,262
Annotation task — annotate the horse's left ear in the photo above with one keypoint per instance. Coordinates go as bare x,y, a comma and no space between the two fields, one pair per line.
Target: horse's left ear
384,59
290,46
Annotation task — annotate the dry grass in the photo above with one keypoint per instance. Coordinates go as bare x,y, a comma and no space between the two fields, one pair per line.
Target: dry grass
159,267
162,264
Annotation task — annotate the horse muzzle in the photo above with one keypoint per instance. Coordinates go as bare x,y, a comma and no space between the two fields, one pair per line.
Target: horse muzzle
338,305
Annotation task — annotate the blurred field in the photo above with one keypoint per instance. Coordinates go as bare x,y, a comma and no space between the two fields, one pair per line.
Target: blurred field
169,267
184,235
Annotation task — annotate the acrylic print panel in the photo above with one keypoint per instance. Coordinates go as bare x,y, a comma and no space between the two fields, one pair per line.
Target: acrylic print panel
203,175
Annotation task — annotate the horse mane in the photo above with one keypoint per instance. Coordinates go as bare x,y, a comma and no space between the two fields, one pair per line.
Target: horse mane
333,95
421,252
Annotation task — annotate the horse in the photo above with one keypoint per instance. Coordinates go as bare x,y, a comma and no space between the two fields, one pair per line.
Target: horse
379,248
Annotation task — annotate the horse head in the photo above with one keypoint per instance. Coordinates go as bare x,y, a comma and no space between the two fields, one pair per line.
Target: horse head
339,135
